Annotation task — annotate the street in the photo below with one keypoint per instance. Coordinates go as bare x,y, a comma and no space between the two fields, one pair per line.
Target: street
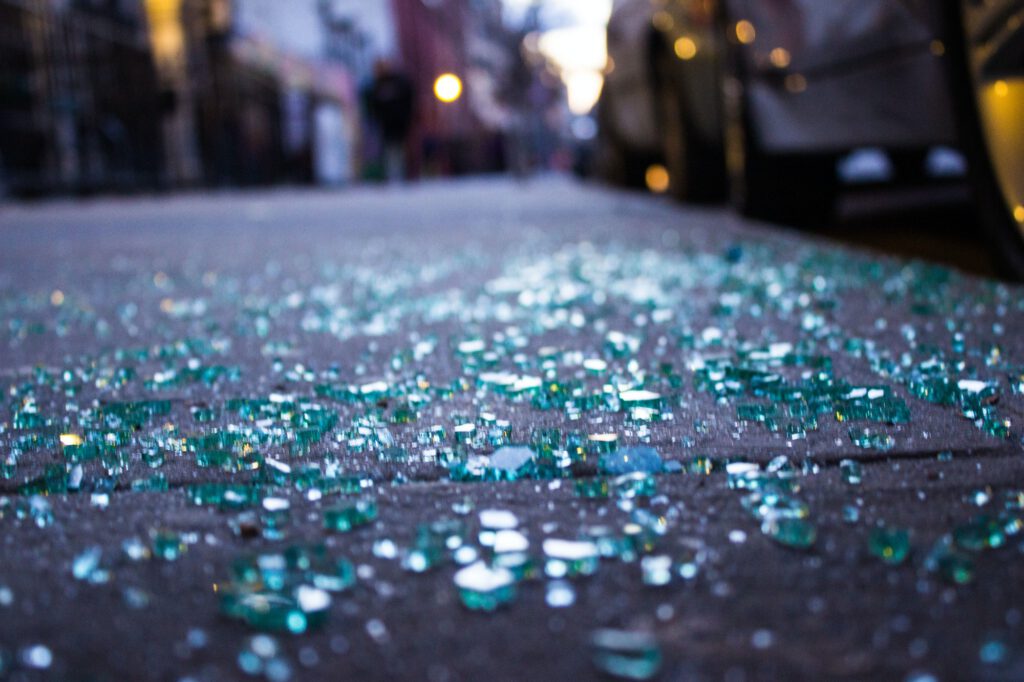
487,429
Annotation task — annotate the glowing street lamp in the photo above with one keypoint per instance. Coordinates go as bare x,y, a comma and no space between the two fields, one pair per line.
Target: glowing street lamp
448,88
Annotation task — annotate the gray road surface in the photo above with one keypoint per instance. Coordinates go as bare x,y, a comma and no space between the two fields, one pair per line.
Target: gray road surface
401,337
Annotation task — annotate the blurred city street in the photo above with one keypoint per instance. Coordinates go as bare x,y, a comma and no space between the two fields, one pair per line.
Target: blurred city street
503,429
459,340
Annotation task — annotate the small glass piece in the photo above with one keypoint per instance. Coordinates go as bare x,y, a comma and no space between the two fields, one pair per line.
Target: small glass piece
344,518
559,594
950,562
630,459
167,545
296,611
498,519
870,439
86,566
570,558
656,570
891,545
851,471
483,588
636,484
980,533
591,488
512,462
626,654
795,533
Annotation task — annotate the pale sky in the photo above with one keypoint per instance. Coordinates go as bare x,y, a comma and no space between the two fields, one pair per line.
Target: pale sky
561,13
573,34
294,25
574,40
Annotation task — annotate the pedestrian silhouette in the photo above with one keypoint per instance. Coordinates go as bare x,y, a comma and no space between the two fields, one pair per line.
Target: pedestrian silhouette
390,104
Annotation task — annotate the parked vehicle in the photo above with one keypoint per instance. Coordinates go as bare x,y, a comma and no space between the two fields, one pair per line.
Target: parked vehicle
986,50
757,100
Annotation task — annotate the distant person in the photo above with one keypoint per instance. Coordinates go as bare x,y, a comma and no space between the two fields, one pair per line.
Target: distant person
390,103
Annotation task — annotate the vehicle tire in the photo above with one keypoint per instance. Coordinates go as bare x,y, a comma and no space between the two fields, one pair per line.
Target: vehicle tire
696,165
799,189
998,188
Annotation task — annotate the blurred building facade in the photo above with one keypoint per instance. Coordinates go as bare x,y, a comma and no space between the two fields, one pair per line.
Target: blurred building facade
130,95
356,33
466,38
79,96
238,107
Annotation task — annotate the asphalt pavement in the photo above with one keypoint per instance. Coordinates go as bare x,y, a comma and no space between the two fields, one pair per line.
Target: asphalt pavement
498,430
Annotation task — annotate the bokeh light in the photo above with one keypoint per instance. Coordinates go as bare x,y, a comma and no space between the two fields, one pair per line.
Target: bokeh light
448,87
657,178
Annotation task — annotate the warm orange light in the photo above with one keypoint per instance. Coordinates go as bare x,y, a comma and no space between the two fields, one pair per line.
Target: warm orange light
448,87
686,48
796,83
1001,88
657,178
745,32
166,33
779,57
1018,214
